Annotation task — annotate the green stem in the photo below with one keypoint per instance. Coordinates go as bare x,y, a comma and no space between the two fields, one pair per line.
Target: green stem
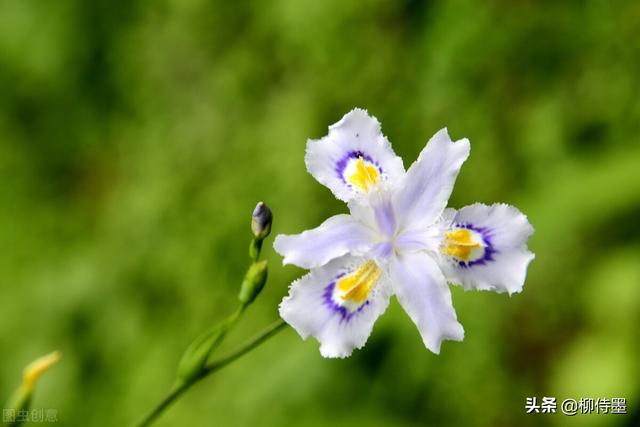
212,367
175,392
254,342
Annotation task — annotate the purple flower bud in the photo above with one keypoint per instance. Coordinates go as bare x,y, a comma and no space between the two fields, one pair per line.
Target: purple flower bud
261,221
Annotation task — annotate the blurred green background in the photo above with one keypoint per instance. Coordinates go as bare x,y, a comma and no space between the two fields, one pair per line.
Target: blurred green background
137,136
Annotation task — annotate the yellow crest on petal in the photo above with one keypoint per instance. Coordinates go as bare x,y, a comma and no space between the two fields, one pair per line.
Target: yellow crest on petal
357,285
365,175
460,244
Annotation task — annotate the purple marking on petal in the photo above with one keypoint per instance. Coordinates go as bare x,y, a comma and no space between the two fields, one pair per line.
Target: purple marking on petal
385,218
345,314
343,162
489,250
383,250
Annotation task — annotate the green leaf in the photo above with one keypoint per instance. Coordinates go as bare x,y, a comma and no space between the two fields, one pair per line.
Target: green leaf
195,357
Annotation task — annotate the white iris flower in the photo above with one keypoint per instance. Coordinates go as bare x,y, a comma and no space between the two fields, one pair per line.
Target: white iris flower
398,240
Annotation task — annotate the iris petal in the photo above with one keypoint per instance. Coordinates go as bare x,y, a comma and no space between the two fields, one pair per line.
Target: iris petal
429,181
501,264
422,291
337,236
337,304
355,158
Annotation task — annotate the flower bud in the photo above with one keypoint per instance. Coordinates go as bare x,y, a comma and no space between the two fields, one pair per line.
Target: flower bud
253,282
21,399
261,221
38,367
195,357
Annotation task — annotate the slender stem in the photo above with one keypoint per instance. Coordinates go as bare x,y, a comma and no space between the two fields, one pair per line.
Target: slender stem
173,394
212,367
254,342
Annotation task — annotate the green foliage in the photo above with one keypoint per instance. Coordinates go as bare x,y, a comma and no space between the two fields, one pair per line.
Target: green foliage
193,361
137,136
